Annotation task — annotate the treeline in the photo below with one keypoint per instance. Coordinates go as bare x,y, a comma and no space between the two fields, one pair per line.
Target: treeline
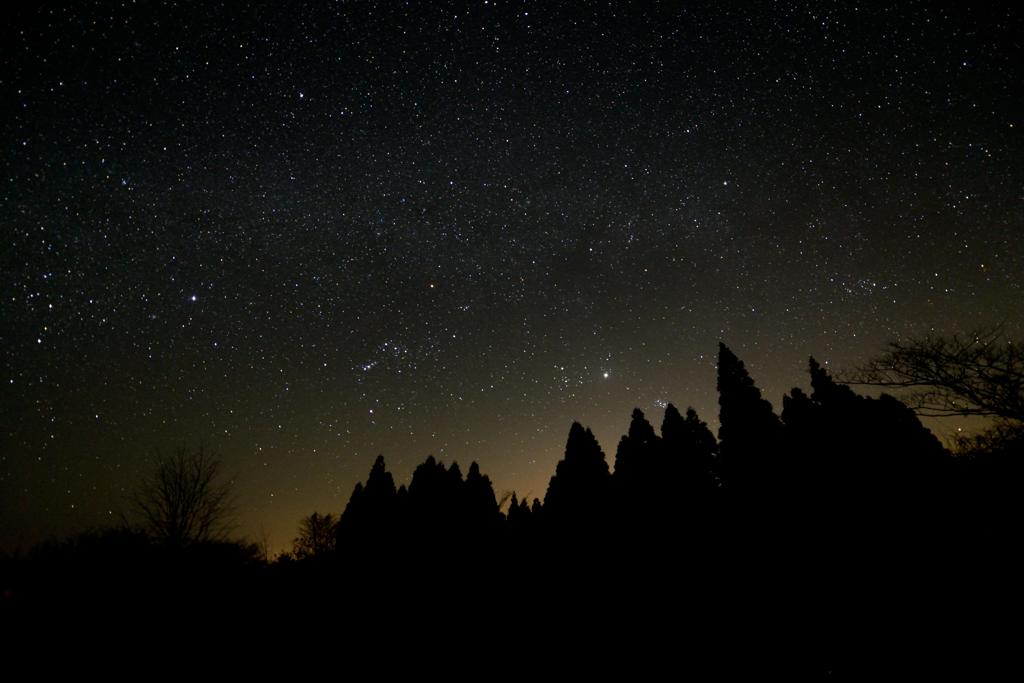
837,536
817,539
834,472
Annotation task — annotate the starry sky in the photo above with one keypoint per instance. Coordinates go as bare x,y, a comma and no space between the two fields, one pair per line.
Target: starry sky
305,234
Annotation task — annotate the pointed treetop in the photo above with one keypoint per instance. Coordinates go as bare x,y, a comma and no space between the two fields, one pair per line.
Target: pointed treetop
689,436
582,445
672,423
580,476
732,374
380,480
454,472
640,430
825,389
747,422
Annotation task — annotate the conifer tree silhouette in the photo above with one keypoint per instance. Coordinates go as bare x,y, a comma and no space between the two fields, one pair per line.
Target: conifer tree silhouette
513,510
896,440
369,516
433,504
750,433
690,449
643,491
483,519
638,452
867,469
578,491
520,523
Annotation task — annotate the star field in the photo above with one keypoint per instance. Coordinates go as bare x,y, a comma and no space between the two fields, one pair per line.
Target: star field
308,234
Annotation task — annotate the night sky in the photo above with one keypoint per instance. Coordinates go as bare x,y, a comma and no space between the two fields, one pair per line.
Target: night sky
306,235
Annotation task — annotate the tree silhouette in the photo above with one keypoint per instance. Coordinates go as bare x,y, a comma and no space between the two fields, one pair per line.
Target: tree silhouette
518,515
369,516
865,469
977,374
317,536
434,501
690,449
839,509
750,433
481,505
638,451
185,500
896,435
578,491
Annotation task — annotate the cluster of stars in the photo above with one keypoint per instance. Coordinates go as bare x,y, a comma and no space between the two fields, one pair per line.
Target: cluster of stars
306,235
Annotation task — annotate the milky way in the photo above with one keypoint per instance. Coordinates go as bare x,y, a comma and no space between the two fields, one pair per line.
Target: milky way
305,235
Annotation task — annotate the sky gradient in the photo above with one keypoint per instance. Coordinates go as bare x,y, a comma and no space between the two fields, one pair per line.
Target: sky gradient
306,234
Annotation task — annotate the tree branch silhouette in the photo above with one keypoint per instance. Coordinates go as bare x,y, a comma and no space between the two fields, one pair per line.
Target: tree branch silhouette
976,374
185,501
317,536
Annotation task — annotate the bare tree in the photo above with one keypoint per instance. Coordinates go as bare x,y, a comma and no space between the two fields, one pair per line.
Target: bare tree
978,374
263,543
185,500
316,536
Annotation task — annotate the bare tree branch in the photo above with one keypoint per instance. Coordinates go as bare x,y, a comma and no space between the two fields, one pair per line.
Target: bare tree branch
316,536
977,374
184,500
